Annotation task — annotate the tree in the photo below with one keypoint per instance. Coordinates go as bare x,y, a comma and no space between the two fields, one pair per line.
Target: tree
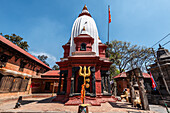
113,71
143,58
126,56
17,40
43,58
55,67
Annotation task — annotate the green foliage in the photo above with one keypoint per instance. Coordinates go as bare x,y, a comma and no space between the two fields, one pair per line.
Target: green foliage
113,71
55,67
43,58
126,56
17,40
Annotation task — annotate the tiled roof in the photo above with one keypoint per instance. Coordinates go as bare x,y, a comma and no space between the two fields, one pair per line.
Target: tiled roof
123,74
9,43
52,73
146,75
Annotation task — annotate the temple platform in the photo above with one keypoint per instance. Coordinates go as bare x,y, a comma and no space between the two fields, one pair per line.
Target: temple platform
75,100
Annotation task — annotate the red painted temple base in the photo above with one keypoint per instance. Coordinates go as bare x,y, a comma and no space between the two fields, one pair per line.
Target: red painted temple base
94,101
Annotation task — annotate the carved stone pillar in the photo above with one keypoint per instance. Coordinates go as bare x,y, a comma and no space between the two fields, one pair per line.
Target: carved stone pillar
59,86
142,90
93,81
130,83
102,83
105,82
69,80
115,89
65,81
72,86
108,84
98,81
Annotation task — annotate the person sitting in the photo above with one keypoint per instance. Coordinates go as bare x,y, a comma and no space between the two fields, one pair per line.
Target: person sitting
125,95
137,103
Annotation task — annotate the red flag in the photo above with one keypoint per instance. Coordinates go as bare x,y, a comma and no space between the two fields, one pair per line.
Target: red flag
153,82
109,15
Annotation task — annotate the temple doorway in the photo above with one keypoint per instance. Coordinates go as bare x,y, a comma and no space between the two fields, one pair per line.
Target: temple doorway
47,86
79,81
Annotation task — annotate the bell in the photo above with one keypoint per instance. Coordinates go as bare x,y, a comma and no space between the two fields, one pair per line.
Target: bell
87,85
88,80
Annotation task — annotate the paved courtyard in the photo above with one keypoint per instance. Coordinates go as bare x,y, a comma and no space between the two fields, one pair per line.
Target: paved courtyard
45,105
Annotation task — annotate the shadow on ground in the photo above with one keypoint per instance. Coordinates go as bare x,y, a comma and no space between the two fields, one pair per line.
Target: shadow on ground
121,105
23,102
47,100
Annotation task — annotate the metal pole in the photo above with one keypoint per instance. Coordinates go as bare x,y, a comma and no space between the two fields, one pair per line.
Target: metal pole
108,23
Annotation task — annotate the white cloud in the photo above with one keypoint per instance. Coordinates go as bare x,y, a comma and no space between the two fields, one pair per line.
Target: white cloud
51,59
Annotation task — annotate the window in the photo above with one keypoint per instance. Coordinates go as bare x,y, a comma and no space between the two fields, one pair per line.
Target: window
3,59
47,85
83,47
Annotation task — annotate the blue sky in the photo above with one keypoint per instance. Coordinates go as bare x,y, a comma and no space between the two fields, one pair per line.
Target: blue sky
46,24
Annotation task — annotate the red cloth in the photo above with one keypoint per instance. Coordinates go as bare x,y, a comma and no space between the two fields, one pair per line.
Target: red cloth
109,15
153,82
82,92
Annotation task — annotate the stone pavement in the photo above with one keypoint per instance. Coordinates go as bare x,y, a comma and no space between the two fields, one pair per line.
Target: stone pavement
41,105
15,97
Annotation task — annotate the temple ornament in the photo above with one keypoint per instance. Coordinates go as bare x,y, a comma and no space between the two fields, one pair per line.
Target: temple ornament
88,80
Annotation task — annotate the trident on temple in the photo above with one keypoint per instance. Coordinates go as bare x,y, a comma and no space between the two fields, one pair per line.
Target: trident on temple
83,85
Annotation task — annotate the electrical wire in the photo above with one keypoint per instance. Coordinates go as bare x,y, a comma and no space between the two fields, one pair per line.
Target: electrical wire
161,40
165,43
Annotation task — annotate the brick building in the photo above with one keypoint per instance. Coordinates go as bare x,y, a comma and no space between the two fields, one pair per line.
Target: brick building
48,82
17,68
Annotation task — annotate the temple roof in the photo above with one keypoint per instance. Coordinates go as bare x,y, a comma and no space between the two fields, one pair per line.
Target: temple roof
123,75
163,54
12,45
84,21
52,73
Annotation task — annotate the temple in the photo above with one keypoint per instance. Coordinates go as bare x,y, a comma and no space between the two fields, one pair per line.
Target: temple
163,57
84,49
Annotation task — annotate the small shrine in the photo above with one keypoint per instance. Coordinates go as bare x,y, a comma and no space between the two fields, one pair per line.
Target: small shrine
84,49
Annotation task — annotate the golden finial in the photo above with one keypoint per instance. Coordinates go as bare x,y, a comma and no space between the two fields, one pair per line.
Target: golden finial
85,7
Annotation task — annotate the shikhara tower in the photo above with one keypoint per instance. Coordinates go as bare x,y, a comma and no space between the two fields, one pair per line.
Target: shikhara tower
84,49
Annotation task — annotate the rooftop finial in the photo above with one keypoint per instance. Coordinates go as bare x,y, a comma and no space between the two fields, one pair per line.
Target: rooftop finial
85,11
85,7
